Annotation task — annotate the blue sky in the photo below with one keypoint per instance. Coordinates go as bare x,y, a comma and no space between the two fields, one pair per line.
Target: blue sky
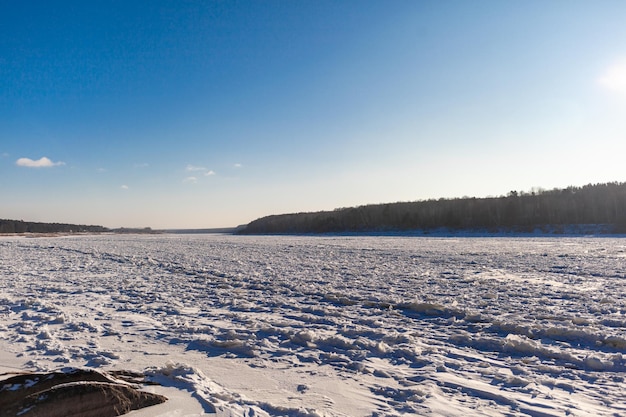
205,114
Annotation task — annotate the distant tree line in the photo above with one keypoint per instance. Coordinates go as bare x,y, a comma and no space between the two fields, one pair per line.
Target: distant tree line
20,226
597,204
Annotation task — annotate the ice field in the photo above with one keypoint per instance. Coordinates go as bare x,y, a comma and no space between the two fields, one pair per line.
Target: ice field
328,326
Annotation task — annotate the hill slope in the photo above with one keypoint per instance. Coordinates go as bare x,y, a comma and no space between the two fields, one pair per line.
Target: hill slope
598,204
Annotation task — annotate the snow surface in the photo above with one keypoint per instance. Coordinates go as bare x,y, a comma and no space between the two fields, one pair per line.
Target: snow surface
328,326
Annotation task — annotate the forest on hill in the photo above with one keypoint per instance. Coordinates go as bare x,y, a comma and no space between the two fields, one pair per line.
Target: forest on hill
554,210
20,226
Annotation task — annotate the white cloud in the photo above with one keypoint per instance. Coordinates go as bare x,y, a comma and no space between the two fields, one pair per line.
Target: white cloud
40,163
614,78
192,168
124,187
142,165
237,165
199,170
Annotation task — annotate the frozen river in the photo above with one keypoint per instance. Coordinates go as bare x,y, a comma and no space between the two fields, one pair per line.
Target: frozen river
335,326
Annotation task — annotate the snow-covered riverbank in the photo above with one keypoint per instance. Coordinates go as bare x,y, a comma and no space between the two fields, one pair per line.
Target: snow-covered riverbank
328,325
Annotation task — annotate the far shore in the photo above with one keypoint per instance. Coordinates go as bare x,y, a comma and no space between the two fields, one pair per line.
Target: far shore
416,234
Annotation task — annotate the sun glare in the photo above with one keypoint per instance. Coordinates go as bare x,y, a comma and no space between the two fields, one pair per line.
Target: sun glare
614,78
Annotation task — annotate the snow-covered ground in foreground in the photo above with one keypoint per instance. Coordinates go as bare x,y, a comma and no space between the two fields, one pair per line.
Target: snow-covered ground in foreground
328,326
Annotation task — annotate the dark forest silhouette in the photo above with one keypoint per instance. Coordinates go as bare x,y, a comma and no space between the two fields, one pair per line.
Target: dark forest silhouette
20,226
602,205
